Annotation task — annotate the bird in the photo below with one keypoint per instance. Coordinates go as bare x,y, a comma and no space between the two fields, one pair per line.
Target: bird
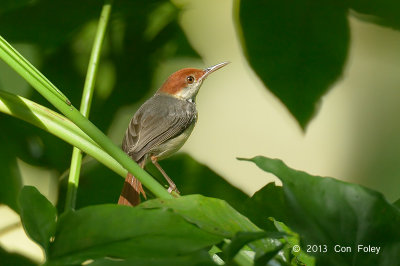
161,126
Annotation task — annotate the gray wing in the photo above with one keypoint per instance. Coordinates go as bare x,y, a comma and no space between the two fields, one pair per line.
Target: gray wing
159,119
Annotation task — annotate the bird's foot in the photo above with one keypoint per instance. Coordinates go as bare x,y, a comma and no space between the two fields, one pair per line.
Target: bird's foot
173,190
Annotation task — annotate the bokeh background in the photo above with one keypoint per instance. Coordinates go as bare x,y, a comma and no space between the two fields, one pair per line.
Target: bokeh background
355,135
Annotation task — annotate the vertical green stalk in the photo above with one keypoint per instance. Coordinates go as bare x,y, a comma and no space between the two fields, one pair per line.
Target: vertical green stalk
73,180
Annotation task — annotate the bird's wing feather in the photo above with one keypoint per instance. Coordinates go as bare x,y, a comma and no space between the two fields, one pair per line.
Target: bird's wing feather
159,119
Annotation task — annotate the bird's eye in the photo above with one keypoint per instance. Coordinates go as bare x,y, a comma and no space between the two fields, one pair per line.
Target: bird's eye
190,79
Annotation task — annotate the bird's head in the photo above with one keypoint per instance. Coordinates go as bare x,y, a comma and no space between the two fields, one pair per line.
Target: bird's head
185,83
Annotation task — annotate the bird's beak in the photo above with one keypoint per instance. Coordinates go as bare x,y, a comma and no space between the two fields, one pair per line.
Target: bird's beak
211,69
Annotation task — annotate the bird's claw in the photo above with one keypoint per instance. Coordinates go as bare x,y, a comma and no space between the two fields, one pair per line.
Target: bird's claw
173,190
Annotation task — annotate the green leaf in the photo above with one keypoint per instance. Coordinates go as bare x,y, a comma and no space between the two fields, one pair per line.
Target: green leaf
9,173
243,238
7,5
211,215
214,216
7,258
265,258
384,12
326,211
38,216
30,23
265,208
123,232
268,202
292,239
97,185
397,203
297,48
199,258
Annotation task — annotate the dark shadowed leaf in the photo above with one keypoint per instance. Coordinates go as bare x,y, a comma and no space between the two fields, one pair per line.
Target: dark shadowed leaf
123,232
7,5
29,146
19,139
97,185
10,149
45,23
200,258
38,216
265,208
326,211
9,175
297,48
268,202
384,12
265,258
397,203
7,258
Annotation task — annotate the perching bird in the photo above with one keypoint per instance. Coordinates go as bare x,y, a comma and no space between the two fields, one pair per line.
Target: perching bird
162,125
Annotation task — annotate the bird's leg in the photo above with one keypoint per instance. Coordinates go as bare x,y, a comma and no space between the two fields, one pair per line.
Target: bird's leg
172,186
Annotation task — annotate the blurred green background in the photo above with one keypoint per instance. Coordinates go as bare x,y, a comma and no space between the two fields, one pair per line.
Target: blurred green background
355,135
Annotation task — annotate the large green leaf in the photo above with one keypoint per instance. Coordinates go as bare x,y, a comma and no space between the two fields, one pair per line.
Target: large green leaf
267,202
326,211
38,216
265,208
214,216
297,48
210,214
123,232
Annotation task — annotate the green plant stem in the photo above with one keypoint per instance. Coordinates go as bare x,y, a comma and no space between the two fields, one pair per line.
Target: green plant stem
17,62
76,160
94,59
58,125
73,179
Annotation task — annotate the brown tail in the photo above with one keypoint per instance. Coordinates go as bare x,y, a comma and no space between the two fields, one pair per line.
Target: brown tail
130,194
